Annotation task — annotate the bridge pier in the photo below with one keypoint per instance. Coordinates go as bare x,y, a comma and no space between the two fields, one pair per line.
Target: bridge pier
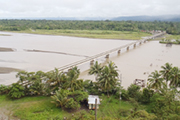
92,62
127,48
134,45
107,56
119,51
69,69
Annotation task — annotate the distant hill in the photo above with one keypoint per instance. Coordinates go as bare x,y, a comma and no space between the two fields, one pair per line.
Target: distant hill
174,18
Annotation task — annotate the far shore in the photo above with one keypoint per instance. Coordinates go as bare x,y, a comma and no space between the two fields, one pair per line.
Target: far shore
5,35
95,34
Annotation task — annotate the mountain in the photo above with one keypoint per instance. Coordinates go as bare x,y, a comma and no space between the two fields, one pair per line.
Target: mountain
174,18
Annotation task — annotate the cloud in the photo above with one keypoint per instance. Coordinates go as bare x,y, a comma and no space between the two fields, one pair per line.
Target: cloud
86,8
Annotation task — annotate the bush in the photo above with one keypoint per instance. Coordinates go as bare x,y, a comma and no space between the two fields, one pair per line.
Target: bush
173,117
71,104
142,115
123,112
16,91
147,94
133,92
4,89
124,94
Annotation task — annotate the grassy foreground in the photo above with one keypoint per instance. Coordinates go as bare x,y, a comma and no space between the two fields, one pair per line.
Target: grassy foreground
102,34
40,108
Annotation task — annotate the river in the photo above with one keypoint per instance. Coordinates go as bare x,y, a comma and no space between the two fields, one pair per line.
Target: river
132,64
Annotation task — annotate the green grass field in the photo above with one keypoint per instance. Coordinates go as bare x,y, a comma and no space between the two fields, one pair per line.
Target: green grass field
102,34
40,108
170,37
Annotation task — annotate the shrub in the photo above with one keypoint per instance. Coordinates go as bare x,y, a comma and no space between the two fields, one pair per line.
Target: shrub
71,104
142,115
124,94
147,94
133,92
16,91
4,89
123,112
82,115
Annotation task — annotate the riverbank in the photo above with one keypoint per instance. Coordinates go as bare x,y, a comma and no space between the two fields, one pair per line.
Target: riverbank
170,39
101,34
5,35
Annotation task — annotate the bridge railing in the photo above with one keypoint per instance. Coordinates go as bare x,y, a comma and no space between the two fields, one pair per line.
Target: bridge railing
107,52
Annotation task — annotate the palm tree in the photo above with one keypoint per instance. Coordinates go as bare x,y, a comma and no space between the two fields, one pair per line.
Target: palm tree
55,78
60,98
155,80
166,72
72,81
107,80
175,77
113,70
95,69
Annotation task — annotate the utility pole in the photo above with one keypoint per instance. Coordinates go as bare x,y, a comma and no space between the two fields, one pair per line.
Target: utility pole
96,109
120,85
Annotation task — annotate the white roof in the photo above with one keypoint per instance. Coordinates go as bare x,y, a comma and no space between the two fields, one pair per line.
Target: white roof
92,98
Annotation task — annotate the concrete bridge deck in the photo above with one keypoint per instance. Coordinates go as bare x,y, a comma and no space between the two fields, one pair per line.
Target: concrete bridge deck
106,53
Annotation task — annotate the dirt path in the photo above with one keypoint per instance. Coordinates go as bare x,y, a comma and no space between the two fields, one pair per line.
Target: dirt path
7,115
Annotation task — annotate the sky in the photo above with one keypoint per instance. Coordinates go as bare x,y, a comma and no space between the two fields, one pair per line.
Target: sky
87,8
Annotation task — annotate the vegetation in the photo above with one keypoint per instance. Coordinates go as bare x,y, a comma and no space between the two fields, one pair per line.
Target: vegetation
102,34
171,39
55,95
18,25
91,29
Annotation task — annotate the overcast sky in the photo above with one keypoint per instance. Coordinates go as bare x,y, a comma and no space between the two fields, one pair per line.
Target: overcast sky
87,8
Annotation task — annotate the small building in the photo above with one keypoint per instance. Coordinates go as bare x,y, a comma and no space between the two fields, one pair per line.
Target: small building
139,82
91,101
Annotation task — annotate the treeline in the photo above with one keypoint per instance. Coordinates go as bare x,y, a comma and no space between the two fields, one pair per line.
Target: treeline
18,25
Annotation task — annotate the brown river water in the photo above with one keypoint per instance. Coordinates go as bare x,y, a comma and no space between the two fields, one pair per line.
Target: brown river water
137,63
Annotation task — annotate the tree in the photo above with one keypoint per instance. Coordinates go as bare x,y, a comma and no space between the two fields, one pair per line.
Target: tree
4,89
155,80
56,79
60,98
16,91
107,80
69,100
146,96
113,69
95,69
32,82
72,82
166,72
134,92
175,77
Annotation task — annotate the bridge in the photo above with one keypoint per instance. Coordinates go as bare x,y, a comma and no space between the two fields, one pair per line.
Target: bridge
106,53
